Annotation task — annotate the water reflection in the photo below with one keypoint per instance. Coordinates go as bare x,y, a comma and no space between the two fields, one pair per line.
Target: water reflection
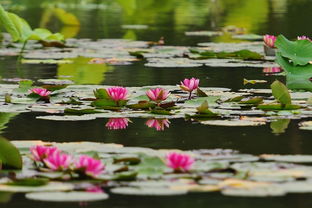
117,123
271,70
158,124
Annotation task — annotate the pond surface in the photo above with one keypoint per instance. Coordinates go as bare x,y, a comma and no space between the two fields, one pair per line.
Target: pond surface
169,19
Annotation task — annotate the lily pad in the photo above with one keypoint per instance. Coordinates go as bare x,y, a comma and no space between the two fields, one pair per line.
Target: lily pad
75,196
147,191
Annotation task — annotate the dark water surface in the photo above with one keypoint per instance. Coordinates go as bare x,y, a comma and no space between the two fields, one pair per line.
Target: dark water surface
168,19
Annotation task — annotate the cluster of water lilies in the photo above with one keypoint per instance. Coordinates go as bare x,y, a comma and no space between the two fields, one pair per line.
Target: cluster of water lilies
122,123
48,157
54,159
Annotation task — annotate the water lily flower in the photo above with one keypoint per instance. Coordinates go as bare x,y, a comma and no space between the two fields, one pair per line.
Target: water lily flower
158,94
117,123
271,70
58,161
40,91
117,93
89,166
189,85
158,124
269,40
179,162
303,38
40,152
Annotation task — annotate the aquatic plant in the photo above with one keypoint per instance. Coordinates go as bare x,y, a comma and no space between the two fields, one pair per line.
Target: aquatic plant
117,123
40,152
269,40
189,85
179,162
89,166
40,91
158,124
58,161
157,95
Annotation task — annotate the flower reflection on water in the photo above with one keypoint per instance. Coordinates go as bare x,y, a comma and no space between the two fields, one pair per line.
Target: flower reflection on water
117,123
158,124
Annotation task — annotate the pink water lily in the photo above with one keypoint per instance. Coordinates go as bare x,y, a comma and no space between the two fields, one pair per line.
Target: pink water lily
179,162
269,40
89,166
117,123
117,93
58,161
40,91
189,85
158,124
158,94
40,152
303,38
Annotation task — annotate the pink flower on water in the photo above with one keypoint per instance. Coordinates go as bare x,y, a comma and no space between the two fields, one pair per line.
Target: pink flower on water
158,124
271,70
269,40
89,166
117,93
40,91
58,161
179,162
189,84
303,38
157,94
41,152
117,123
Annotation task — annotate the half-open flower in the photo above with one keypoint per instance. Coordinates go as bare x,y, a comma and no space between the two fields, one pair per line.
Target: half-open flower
58,161
117,123
179,162
40,91
158,94
269,40
117,93
89,166
158,124
40,152
189,84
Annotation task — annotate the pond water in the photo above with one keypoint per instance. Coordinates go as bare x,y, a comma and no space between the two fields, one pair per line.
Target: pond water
169,19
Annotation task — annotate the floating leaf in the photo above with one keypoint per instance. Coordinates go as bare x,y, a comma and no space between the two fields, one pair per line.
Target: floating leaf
74,196
147,191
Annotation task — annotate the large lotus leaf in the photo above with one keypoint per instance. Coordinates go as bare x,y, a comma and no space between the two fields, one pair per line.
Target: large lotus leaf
290,68
8,24
21,25
9,155
299,52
